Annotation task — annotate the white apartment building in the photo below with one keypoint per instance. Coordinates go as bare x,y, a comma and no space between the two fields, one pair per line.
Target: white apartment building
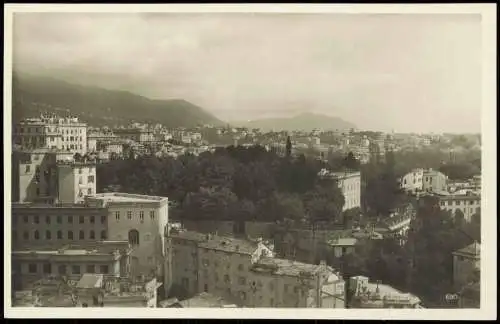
424,180
142,221
68,134
350,185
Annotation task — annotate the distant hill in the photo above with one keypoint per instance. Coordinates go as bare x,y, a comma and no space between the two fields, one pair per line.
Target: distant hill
32,95
304,122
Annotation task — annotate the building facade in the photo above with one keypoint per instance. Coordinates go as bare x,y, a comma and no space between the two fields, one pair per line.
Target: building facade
350,185
51,176
71,261
469,204
141,220
434,181
248,272
43,224
412,181
68,134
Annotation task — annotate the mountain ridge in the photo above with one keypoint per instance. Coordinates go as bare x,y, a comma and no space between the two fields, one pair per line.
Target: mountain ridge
306,121
32,95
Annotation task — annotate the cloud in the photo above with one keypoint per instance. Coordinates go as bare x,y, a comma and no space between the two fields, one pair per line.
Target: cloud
378,71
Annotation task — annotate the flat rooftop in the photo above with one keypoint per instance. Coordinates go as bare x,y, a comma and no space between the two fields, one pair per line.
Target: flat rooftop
125,197
285,267
91,248
473,250
229,244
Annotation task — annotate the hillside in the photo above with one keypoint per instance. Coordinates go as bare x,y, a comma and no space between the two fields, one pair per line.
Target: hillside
32,95
304,122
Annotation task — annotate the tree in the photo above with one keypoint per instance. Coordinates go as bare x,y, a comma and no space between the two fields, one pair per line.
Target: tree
351,216
459,218
288,146
209,204
350,162
324,204
282,206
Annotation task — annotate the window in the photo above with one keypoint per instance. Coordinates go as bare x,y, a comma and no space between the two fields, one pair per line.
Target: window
226,278
133,237
243,295
81,236
80,193
37,235
75,269
81,219
47,219
32,268
103,235
70,219
129,214
59,219
103,219
26,235
141,215
471,202
25,218
242,280
442,203
61,269
80,181
47,268
70,235
89,191
103,269
92,235
59,235
117,215
90,179
37,220
80,171
48,235
205,288
91,268
38,191
152,214
28,168
92,219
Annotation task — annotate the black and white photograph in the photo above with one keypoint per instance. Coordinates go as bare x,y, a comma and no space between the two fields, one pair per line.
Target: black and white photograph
269,159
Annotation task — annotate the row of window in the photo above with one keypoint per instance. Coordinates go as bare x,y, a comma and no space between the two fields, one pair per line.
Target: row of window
72,147
59,219
141,215
63,269
458,202
59,235
464,210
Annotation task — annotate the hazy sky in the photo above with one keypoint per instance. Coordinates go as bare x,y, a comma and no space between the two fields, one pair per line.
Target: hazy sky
381,72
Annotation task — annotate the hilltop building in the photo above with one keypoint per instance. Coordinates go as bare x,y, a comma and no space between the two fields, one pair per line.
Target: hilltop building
350,185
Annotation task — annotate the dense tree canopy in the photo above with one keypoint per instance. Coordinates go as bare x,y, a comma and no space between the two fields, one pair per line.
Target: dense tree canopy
232,183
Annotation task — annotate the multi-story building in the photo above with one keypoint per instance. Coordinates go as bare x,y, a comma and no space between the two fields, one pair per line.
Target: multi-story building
350,185
67,134
110,258
142,221
247,271
469,204
136,134
57,224
465,262
412,181
424,180
434,181
51,176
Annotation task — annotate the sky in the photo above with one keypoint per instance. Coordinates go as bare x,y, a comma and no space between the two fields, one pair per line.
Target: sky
402,72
